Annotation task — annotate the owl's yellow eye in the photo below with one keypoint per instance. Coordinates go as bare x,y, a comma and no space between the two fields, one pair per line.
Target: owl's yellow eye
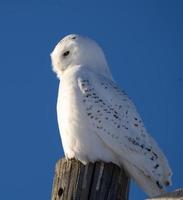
66,53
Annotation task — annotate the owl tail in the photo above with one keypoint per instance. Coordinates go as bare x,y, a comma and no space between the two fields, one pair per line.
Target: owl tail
150,186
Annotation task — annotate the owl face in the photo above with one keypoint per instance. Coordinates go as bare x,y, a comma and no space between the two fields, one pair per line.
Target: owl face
64,54
74,50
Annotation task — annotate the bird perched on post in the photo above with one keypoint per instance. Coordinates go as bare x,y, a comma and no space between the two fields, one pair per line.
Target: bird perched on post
98,121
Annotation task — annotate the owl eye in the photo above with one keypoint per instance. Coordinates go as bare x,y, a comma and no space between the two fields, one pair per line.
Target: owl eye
66,53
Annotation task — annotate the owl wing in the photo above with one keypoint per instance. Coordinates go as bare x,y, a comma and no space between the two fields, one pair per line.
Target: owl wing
115,119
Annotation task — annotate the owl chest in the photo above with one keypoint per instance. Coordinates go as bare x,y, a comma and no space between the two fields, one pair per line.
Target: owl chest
70,109
73,122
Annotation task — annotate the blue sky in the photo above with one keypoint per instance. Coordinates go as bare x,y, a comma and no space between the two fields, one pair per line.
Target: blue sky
143,42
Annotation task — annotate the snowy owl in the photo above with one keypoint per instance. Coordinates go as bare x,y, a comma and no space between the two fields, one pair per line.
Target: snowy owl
98,121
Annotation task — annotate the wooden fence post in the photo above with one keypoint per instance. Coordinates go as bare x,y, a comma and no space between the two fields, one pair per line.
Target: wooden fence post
174,195
94,181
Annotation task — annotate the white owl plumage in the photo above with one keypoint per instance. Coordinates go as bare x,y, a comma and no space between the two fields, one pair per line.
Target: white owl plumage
98,121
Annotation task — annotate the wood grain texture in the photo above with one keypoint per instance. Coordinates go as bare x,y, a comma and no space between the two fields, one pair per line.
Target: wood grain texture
94,181
175,195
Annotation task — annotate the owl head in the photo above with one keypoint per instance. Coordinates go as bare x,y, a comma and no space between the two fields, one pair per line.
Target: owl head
74,50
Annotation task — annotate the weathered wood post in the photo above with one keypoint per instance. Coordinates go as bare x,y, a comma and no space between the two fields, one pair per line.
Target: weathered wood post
175,195
94,181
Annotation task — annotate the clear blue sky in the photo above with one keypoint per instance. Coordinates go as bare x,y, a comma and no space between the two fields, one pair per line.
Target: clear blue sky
143,42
